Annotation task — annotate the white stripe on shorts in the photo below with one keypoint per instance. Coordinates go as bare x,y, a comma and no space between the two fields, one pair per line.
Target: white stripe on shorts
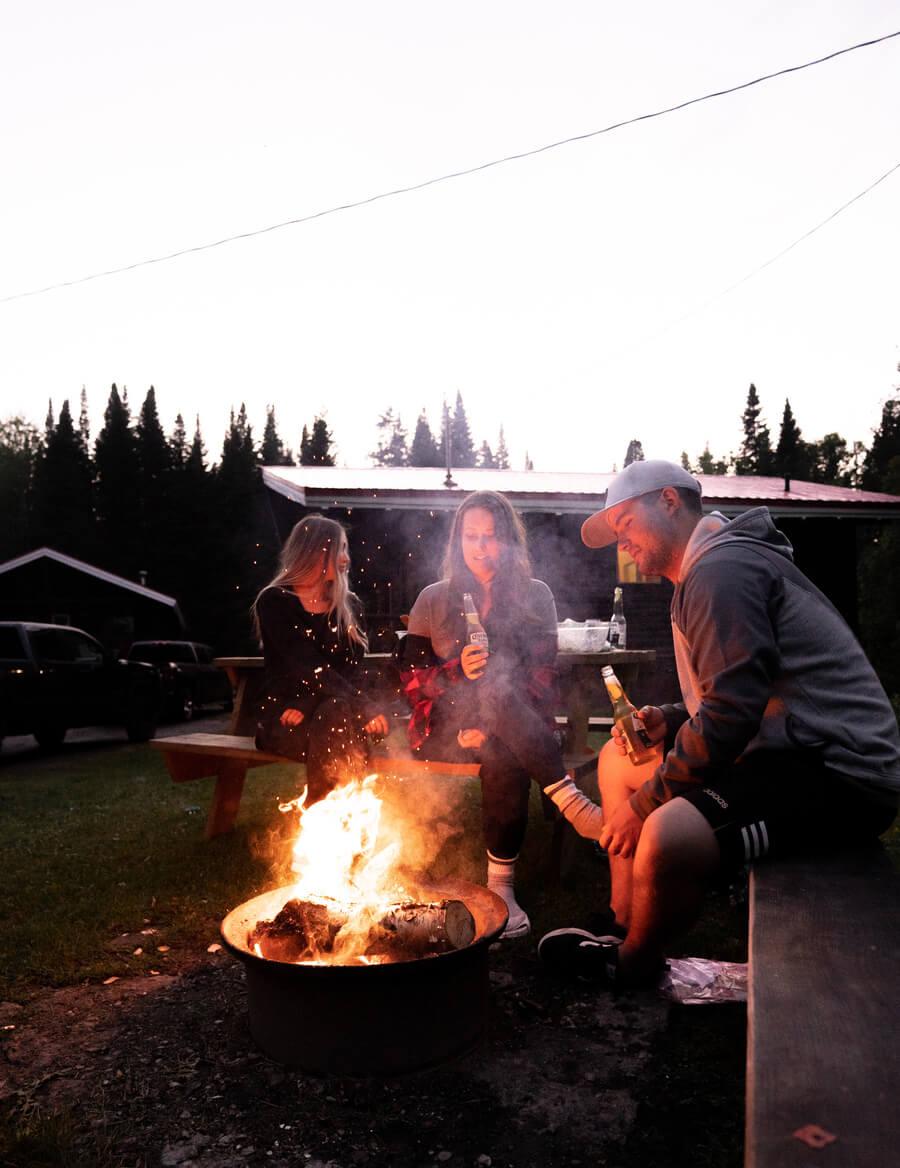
756,840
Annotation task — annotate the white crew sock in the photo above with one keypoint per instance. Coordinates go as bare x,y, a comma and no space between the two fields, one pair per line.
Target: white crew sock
501,878
583,813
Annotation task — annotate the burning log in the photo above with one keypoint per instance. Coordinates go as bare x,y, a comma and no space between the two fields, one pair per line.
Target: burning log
311,931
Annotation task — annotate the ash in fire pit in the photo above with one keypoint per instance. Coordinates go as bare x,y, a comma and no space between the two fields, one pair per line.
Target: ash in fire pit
322,932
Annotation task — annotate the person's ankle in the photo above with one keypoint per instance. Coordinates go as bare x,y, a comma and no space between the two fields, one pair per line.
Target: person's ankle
638,966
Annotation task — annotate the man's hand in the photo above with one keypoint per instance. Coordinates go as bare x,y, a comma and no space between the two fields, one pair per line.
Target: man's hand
472,661
291,717
653,721
377,727
471,739
621,833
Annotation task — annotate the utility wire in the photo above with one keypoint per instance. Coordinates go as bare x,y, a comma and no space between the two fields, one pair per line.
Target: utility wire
457,173
755,272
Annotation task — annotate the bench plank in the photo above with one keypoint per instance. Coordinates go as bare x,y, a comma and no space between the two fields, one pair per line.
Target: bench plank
822,1020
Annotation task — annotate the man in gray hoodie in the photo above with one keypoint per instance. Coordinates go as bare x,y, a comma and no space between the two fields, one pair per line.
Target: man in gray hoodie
785,738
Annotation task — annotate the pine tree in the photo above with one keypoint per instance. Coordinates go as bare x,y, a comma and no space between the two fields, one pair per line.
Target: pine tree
154,455
634,453
178,444
885,446
486,458
424,449
831,461
755,457
706,464
20,448
305,441
154,459
84,423
792,455
685,461
49,423
392,449
501,458
118,489
529,465
197,457
63,512
320,445
463,450
272,451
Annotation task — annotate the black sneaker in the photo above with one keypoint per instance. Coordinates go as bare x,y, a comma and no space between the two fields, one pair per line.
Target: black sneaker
578,953
604,925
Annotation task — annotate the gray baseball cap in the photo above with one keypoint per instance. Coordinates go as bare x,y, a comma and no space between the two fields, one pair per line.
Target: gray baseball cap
638,479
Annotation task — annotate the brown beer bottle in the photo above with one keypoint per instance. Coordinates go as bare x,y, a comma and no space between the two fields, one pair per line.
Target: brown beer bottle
637,740
475,633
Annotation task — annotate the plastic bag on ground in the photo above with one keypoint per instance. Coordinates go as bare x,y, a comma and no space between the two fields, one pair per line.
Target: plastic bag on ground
694,981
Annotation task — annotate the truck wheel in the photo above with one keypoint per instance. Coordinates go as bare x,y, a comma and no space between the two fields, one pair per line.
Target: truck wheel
50,736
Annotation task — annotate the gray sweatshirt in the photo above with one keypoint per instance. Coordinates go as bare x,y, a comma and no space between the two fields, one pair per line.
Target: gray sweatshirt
766,662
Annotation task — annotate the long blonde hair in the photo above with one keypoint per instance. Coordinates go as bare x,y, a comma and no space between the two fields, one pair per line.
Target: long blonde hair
314,544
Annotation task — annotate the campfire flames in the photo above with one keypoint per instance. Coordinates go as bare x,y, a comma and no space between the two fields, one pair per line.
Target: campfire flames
347,904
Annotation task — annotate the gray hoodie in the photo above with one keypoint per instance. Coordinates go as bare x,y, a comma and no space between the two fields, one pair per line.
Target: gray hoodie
766,662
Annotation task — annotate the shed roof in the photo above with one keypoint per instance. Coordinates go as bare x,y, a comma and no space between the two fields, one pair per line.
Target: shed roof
572,492
46,553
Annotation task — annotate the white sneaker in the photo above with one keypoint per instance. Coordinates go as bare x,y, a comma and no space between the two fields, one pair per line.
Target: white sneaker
518,924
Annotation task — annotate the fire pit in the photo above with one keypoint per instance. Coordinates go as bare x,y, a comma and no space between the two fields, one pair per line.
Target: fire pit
357,967
368,1019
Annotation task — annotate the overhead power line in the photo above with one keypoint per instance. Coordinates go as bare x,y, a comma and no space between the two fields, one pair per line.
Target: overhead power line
760,268
430,182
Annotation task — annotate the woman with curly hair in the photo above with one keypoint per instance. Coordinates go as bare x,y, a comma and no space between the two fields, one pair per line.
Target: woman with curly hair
497,703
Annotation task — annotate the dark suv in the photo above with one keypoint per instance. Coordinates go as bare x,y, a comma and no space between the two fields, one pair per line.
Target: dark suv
189,678
53,677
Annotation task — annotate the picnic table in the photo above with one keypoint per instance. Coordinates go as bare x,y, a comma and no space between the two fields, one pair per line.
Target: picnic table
228,757
581,686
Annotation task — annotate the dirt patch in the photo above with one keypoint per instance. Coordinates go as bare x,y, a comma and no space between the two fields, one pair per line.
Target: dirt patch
163,1071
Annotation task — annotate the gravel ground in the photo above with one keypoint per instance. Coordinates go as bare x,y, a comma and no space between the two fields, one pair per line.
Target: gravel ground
163,1071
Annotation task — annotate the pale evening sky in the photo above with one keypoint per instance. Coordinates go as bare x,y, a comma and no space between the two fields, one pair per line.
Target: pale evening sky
572,296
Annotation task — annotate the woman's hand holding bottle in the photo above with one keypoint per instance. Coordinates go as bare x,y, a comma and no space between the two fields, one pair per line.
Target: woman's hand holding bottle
472,660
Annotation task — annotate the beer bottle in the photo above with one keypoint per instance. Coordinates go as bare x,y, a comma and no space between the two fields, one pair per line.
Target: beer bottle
475,634
637,740
617,627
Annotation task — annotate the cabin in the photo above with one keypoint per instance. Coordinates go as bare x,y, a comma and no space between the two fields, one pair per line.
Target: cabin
48,586
398,519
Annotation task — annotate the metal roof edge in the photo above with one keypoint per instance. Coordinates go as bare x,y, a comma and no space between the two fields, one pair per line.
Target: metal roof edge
90,570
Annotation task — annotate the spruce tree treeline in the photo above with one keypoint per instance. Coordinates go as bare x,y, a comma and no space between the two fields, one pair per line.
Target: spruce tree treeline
394,448
831,459
148,506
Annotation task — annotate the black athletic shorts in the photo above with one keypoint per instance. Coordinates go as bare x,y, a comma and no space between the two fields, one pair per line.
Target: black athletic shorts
778,802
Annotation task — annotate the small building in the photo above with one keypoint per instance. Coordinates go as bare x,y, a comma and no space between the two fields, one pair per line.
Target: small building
46,585
398,519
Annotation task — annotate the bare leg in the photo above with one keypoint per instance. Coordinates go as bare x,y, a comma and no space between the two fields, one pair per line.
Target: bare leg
618,779
676,855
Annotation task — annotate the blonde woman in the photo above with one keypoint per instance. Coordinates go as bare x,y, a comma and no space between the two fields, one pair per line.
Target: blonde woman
313,639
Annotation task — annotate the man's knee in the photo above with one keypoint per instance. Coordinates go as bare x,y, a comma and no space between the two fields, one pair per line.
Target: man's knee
677,838
615,770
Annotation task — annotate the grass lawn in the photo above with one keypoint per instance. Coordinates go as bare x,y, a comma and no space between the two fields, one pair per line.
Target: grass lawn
102,843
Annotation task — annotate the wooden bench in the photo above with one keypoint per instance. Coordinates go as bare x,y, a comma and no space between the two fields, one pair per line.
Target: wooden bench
822,1058
228,757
